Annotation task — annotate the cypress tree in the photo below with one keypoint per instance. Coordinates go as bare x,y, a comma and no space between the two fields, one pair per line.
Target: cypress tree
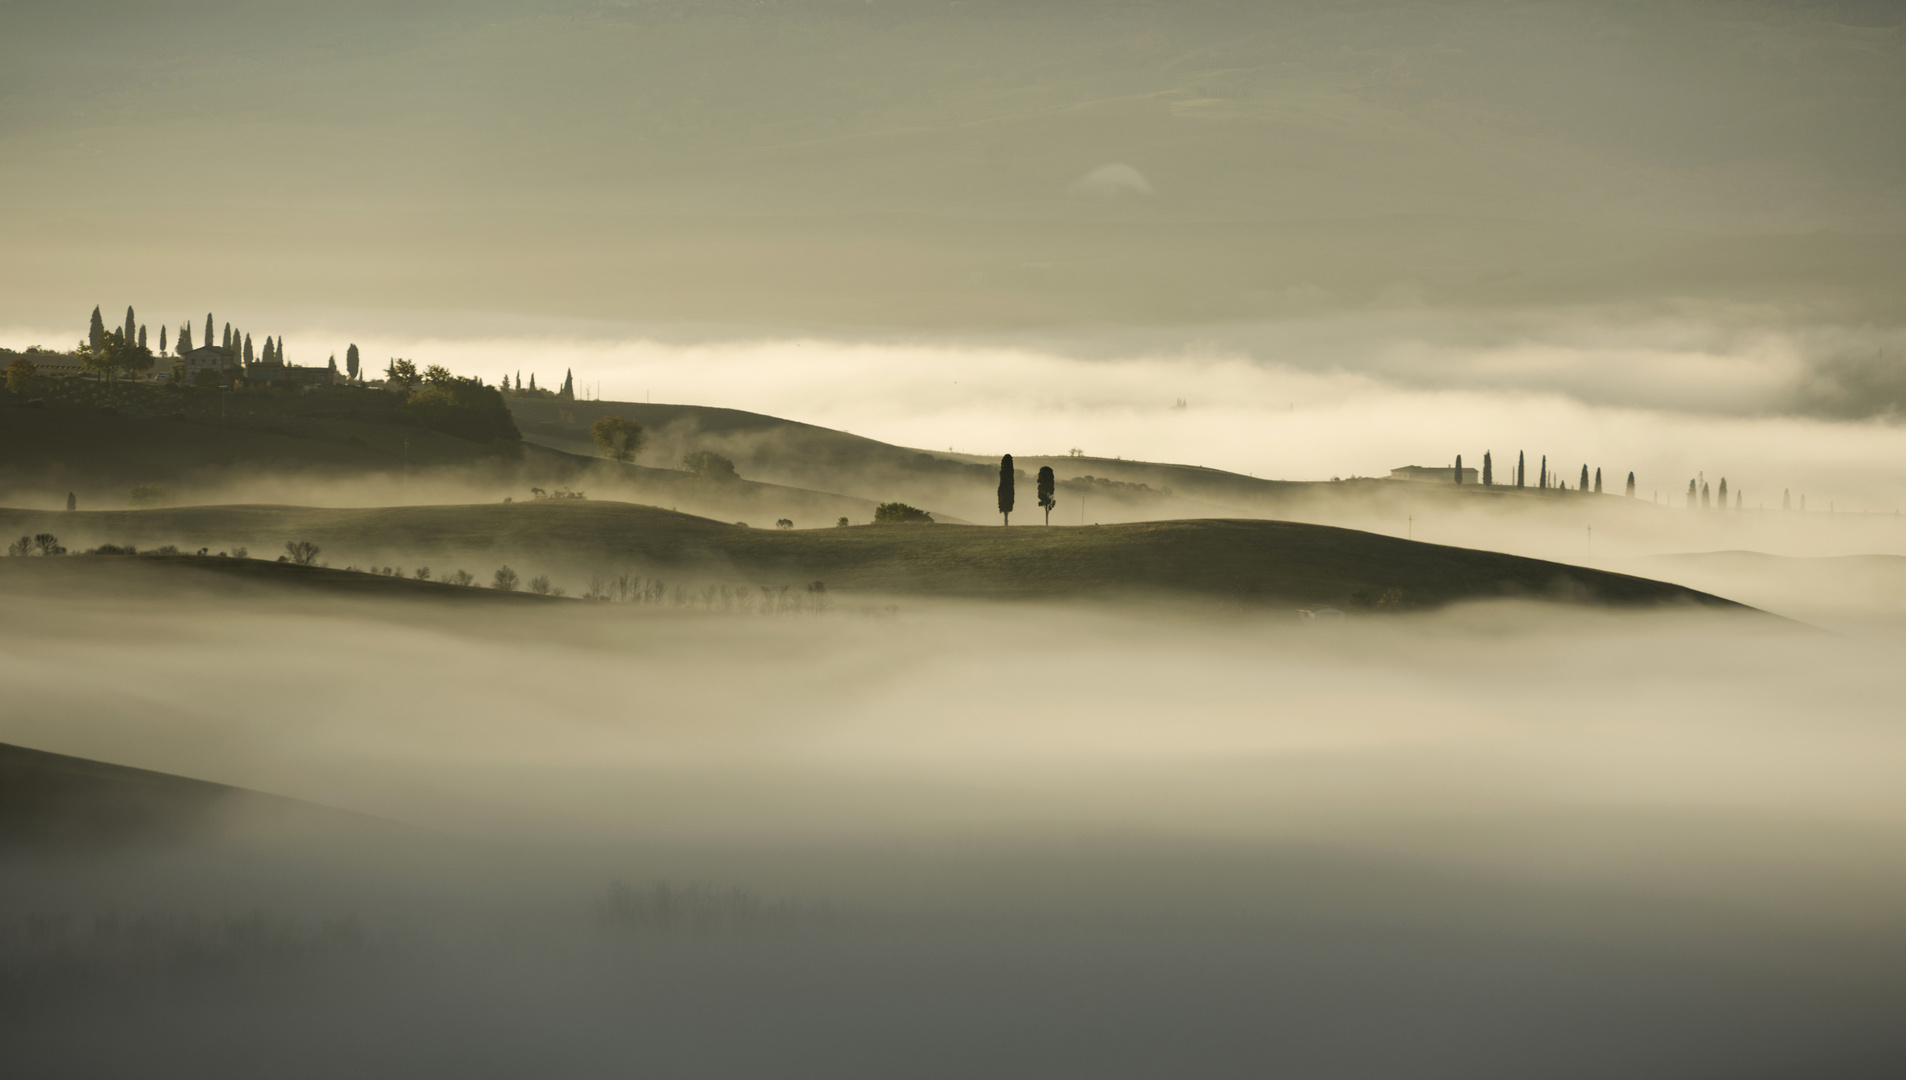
1006,489
1707,494
247,350
1543,479
1722,504
1047,484
568,392
1694,494
1631,485
208,328
351,362
1459,470
96,333
519,380
280,354
1582,485
1488,473
162,339
1598,479
532,382
1521,466
270,357
185,339
142,339
1786,498
132,333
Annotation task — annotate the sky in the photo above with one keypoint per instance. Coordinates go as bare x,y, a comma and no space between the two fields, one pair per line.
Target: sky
1349,236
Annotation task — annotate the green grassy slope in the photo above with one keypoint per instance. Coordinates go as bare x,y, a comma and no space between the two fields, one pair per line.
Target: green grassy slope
1234,559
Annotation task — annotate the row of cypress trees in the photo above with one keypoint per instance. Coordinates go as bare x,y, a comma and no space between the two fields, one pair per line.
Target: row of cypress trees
1545,479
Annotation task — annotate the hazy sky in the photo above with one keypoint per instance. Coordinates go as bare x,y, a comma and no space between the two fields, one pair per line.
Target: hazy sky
1352,235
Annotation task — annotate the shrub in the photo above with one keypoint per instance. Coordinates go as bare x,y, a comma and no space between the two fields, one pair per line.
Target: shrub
899,513
504,580
618,439
464,408
841,524
784,523
539,584
20,547
461,577
709,465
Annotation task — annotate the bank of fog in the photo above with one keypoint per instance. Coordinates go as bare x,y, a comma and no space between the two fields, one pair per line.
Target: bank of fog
1421,733
1502,831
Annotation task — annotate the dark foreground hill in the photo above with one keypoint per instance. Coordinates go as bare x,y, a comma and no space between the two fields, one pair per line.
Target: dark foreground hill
1244,560
68,802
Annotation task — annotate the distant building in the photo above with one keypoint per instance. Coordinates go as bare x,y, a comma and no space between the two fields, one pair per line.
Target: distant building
1425,475
52,365
212,358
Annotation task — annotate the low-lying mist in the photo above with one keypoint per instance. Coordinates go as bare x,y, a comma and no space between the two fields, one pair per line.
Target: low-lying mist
1008,839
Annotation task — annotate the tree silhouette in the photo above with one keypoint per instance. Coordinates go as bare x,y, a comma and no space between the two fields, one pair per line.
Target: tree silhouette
1598,480
248,355
1006,489
1459,470
96,332
162,339
618,439
301,552
1488,470
1722,505
1582,485
208,328
568,392
1631,485
1522,466
1543,479
132,331
504,580
1047,485
351,362
20,375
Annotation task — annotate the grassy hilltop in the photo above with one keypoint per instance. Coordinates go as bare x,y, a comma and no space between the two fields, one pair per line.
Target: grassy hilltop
1244,560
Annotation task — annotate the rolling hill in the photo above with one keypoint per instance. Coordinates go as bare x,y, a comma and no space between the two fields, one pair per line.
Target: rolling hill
52,800
1245,561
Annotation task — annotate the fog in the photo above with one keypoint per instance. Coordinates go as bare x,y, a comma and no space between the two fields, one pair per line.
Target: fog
1025,840
1289,246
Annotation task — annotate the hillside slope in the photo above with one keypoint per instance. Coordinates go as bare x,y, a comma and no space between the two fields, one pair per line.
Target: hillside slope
66,802
1243,560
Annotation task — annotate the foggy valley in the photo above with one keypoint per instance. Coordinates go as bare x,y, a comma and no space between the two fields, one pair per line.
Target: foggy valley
894,538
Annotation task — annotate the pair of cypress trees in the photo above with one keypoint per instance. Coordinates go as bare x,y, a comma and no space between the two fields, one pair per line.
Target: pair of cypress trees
1047,486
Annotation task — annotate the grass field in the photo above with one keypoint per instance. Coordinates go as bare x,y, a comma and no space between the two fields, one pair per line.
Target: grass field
1244,560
